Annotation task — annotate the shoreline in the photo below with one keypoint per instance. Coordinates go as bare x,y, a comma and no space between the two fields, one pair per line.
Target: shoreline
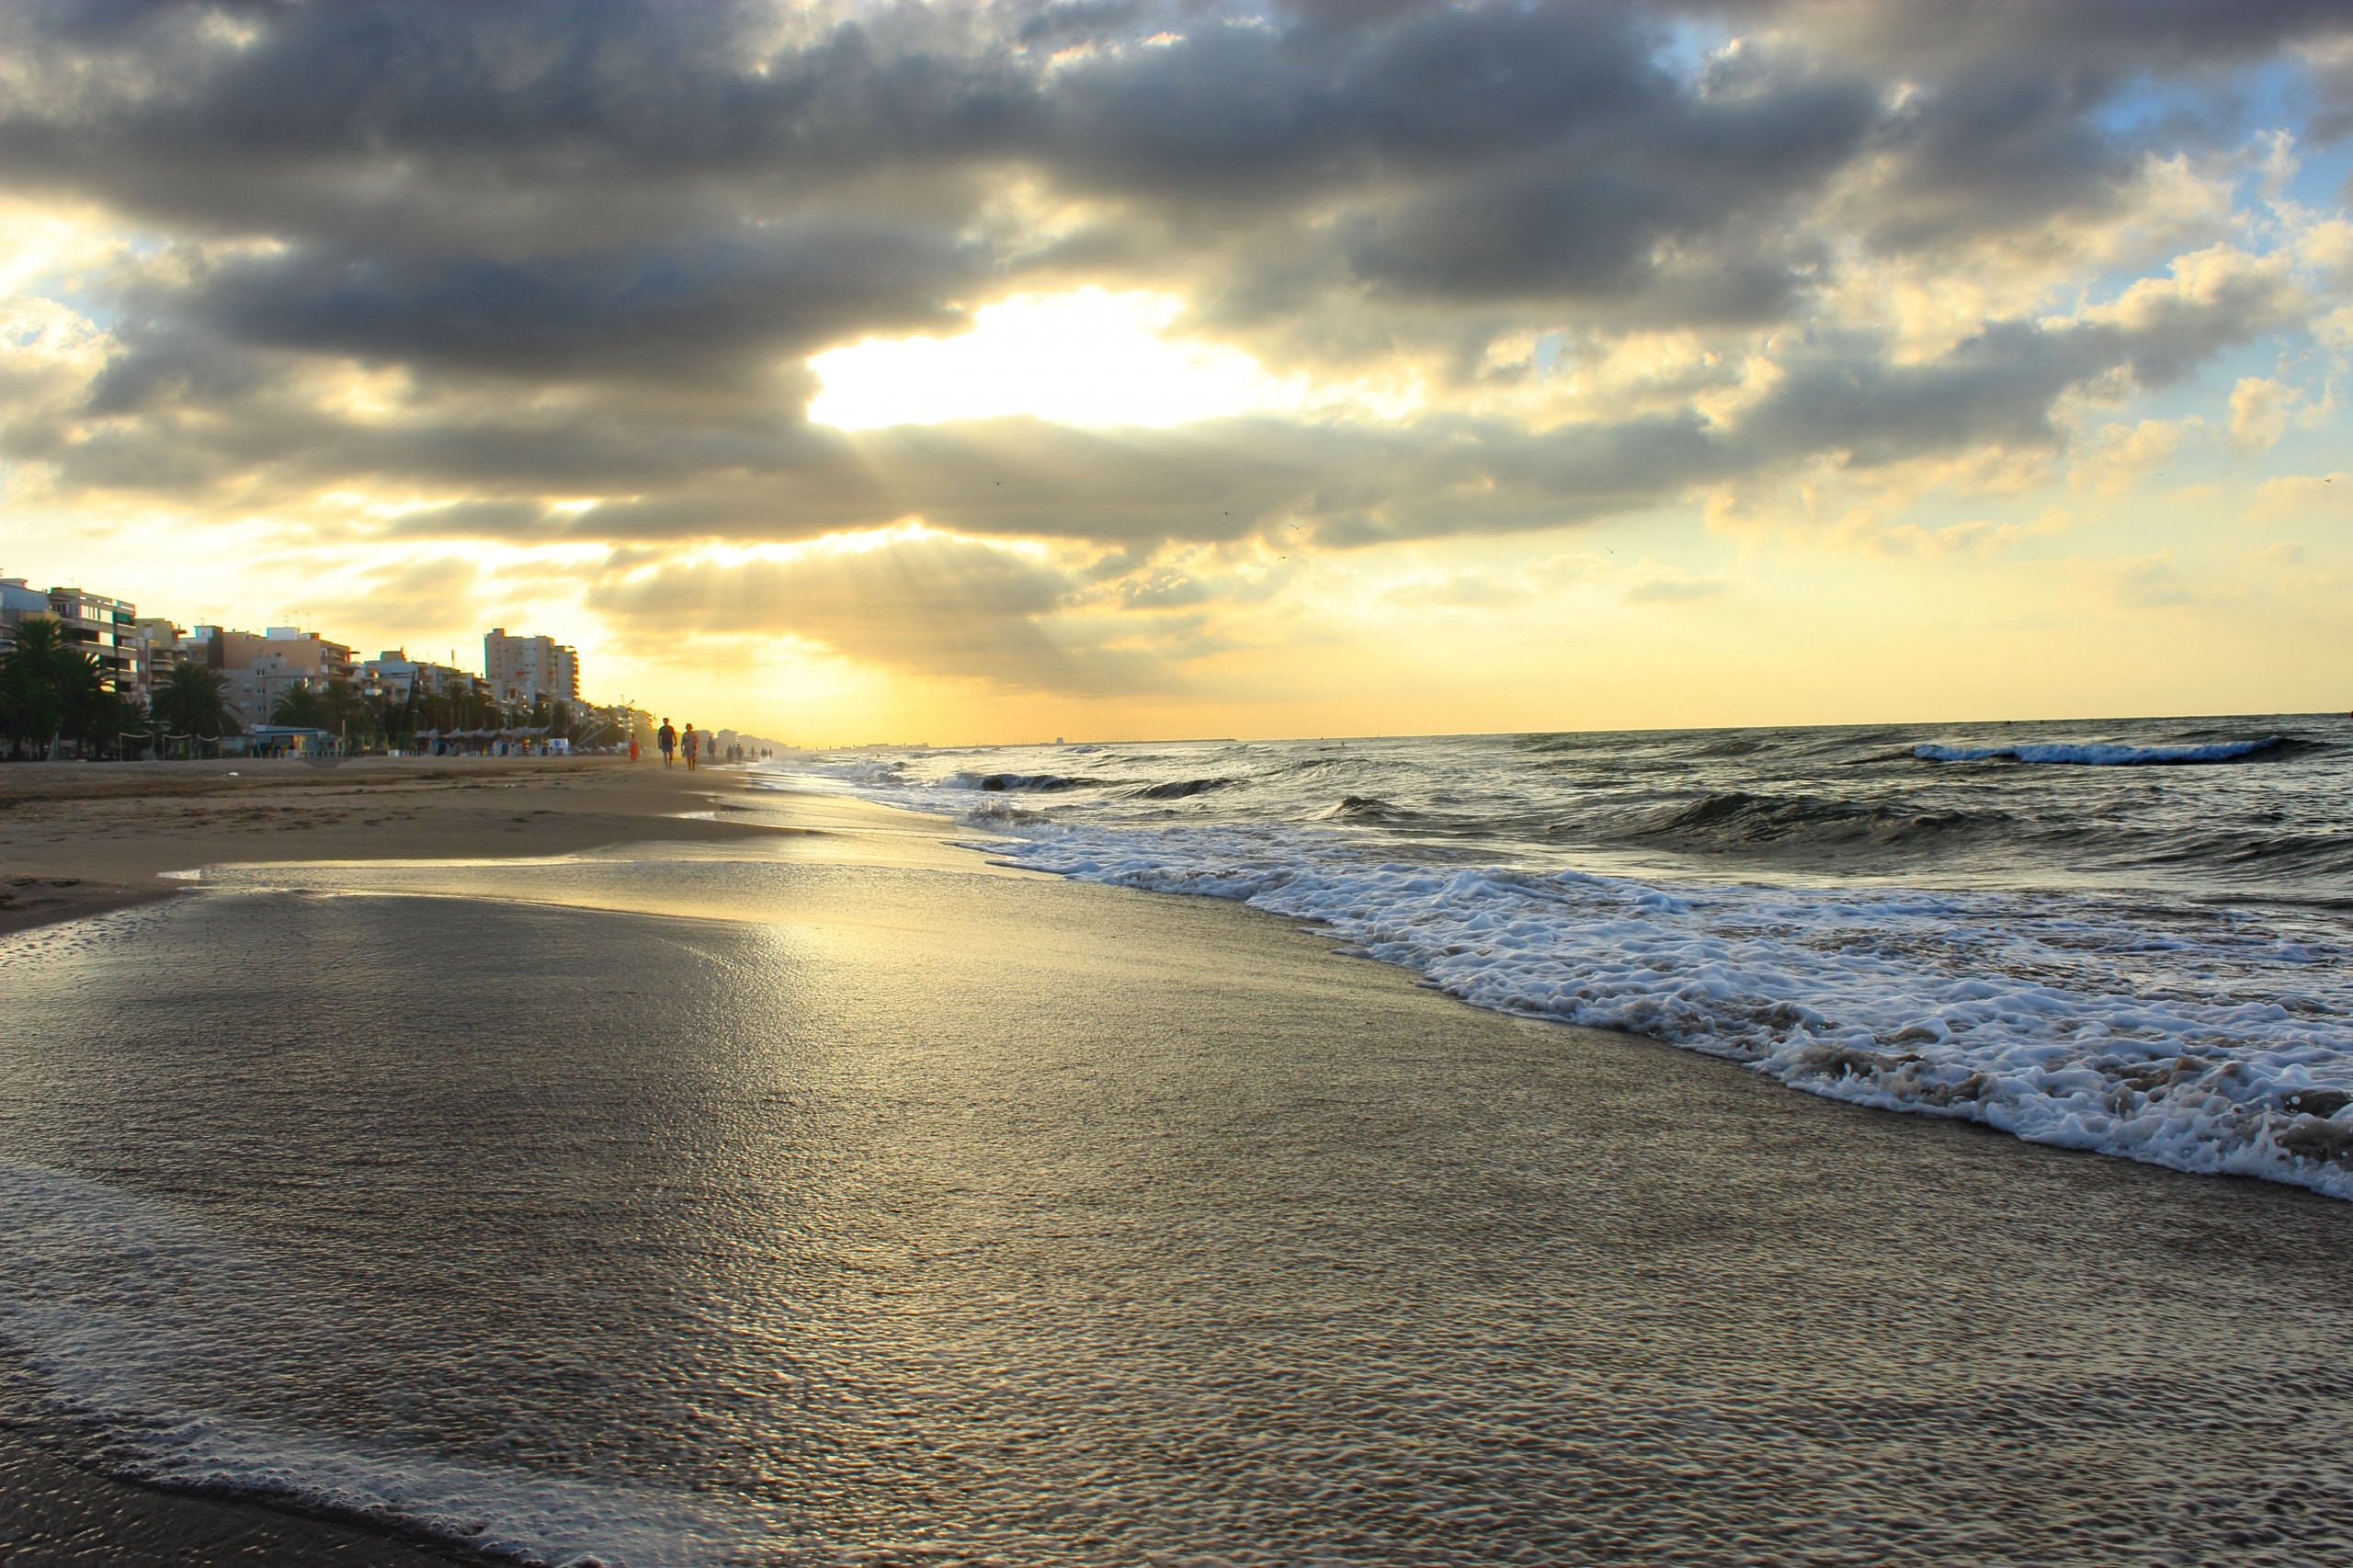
57,1511
81,839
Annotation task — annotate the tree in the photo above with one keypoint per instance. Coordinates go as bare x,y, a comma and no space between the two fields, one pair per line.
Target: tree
49,687
127,726
347,712
189,703
304,708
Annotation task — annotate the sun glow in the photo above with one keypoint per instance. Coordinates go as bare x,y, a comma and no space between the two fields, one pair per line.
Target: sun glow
1090,358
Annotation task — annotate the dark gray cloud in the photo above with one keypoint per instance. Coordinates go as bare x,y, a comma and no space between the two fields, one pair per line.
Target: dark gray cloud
602,237
2115,35
725,304
686,470
1996,148
568,166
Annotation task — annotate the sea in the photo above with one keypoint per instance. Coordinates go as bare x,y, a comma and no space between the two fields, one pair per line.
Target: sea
2131,937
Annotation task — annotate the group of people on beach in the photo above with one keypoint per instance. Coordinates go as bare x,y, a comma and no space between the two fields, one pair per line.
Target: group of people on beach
672,741
694,746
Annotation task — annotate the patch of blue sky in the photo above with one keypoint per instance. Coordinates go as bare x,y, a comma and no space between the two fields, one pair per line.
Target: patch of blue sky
101,309
2323,175
2191,115
2147,111
1546,353
1687,44
90,292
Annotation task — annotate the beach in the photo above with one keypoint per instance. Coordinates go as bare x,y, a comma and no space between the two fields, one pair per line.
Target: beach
550,1173
82,838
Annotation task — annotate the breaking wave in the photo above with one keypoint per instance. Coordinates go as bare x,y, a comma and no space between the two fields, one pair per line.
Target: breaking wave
2095,753
1180,789
1738,817
1020,783
1363,809
2226,1051
2149,964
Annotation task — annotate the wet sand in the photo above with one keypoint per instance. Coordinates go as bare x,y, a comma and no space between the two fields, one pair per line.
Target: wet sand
51,1512
80,838
1485,1289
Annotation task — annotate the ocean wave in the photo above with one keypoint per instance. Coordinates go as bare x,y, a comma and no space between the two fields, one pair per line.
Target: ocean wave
1180,789
1735,817
2099,754
867,770
1364,809
1020,783
2225,1052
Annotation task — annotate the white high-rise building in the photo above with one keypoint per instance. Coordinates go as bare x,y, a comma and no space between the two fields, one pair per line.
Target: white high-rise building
524,669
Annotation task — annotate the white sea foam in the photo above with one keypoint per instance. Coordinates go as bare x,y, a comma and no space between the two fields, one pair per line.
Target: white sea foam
123,1314
2201,1041
2127,1019
2092,754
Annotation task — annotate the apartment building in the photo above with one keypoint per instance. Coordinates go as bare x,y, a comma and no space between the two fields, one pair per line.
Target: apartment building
524,669
162,647
396,674
103,626
257,670
20,603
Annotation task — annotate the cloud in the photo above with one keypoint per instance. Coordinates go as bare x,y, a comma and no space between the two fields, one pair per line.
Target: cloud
1455,590
2259,408
429,592
547,274
909,599
1669,584
2151,582
2298,497
725,304
2120,456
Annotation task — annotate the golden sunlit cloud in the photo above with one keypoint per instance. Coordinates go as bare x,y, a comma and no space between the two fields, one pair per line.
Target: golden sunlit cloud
1089,358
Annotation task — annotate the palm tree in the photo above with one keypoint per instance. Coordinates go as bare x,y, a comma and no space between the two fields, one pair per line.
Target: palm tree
304,708
49,687
189,703
127,726
346,711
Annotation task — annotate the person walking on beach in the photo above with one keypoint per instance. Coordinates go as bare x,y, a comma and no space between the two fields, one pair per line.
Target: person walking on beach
693,742
667,739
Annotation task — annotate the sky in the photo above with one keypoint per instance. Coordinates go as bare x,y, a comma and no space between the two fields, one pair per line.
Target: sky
953,374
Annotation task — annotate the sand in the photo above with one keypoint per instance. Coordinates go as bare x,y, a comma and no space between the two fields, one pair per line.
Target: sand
53,1513
80,838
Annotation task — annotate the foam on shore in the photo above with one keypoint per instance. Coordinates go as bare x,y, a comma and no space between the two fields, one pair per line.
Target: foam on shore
2193,1039
114,1306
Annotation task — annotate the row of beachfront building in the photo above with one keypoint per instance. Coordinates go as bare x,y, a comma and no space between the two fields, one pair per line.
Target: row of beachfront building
257,670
